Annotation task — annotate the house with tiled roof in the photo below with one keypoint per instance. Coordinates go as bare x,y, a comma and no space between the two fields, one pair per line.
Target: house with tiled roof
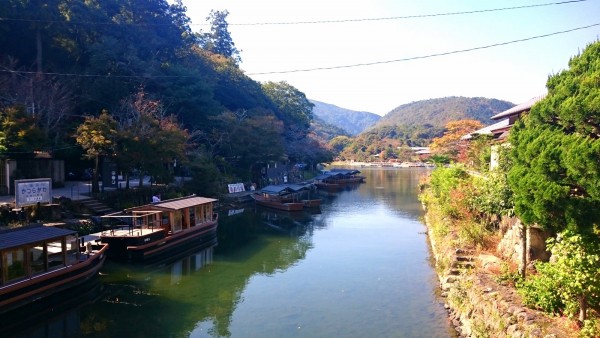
499,130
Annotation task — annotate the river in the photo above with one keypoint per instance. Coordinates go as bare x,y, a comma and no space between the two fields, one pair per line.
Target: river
358,267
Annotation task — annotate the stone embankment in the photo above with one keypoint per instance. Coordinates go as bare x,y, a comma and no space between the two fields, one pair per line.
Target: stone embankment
479,306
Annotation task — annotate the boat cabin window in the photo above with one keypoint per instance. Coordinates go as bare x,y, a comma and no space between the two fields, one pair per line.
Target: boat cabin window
176,226
192,216
13,265
165,219
37,259
72,250
207,213
56,256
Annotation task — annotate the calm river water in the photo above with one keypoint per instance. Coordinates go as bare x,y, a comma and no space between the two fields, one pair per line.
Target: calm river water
359,267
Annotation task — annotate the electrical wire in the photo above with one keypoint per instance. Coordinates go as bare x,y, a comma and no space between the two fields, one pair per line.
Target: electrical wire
5,70
427,56
304,22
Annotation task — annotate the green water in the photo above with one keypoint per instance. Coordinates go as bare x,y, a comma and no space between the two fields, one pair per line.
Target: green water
359,267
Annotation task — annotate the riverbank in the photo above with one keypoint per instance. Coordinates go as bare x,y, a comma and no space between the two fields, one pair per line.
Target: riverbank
479,302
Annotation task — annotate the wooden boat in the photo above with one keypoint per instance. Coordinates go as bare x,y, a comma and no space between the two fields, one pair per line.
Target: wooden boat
153,230
277,203
337,179
312,203
39,261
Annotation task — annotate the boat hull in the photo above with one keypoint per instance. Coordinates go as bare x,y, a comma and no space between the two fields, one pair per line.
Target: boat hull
24,292
276,204
159,244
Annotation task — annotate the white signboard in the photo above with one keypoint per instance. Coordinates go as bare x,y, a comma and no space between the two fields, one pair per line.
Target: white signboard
33,191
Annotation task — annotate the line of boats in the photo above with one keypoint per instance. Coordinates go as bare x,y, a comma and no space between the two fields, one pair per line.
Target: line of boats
37,261
298,196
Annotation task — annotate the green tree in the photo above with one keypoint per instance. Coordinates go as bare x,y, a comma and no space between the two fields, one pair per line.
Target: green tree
19,134
338,143
555,150
149,139
293,108
97,136
570,282
219,40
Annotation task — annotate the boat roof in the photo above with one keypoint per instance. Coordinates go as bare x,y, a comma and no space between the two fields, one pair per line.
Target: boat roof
166,205
177,203
345,171
337,173
184,202
276,189
30,234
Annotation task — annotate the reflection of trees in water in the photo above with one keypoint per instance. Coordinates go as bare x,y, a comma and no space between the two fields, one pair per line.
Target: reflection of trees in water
173,299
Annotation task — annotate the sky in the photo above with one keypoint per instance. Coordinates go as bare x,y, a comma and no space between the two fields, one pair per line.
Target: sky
293,40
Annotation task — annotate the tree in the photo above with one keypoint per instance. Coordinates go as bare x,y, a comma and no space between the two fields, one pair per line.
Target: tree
450,143
149,138
293,108
555,150
338,143
97,136
219,39
19,134
570,282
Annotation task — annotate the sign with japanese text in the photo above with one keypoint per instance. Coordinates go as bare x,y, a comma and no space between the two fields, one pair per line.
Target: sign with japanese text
33,191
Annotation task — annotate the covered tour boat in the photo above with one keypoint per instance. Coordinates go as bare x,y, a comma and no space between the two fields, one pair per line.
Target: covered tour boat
281,196
38,261
153,230
337,179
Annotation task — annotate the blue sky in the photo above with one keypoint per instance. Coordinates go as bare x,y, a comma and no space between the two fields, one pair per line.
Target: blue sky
514,72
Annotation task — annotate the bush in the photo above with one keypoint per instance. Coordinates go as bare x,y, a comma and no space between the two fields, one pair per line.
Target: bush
541,291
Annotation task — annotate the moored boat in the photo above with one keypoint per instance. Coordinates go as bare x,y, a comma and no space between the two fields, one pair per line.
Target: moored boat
153,230
277,203
337,179
39,261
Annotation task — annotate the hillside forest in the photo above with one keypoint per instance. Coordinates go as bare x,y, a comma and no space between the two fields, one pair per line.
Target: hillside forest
130,82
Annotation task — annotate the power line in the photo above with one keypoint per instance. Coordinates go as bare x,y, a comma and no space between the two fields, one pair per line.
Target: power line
406,16
425,56
5,70
303,22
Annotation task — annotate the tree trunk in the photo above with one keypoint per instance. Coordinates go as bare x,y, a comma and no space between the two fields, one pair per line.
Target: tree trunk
523,265
582,308
95,185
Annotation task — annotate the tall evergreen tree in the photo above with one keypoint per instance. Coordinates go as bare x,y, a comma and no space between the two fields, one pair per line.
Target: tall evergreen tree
555,150
219,40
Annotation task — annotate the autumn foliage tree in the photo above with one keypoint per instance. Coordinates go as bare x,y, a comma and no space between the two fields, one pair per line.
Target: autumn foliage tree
450,144
97,136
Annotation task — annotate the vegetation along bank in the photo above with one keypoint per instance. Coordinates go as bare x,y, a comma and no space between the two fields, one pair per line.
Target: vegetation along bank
517,247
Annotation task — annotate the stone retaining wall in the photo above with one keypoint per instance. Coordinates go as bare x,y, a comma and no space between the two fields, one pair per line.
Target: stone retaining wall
478,306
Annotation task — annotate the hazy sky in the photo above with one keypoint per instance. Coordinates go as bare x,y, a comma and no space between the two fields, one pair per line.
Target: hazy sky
514,72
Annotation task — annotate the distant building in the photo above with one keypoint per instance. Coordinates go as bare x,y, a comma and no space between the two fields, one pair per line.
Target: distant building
499,131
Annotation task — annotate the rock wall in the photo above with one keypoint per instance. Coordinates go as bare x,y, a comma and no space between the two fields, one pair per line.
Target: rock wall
510,247
478,306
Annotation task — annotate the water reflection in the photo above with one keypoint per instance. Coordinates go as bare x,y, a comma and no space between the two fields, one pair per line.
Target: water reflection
355,267
57,316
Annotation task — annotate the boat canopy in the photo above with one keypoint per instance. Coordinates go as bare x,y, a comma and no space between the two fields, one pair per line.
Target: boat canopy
281,189
344,172
31,234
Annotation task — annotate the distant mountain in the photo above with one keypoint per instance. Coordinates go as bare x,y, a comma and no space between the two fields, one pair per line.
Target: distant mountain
352,121
326,131
438,112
